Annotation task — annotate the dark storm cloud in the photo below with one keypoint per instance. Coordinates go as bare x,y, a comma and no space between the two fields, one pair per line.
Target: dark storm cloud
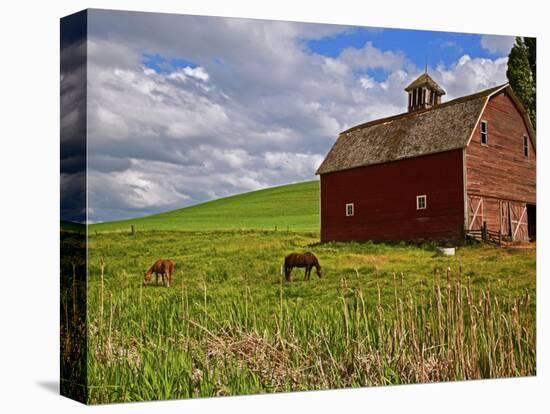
73,117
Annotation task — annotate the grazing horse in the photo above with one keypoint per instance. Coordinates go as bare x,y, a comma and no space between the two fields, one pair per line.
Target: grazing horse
160,267
307,260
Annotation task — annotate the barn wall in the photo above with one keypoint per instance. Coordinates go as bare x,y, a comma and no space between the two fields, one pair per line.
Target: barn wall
499,171
384,196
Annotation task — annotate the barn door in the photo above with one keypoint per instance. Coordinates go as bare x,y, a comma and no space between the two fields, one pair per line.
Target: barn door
518,221
505,219
475,206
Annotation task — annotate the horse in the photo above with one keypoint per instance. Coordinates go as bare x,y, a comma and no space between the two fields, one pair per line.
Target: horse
307,260
160,267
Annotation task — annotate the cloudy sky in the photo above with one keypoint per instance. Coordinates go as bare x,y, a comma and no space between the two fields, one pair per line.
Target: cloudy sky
184,109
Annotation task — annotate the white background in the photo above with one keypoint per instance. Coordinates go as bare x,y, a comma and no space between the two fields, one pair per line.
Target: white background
29,197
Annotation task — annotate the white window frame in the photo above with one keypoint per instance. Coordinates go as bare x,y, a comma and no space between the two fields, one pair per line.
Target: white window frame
483,133
348,205
526,146
421,197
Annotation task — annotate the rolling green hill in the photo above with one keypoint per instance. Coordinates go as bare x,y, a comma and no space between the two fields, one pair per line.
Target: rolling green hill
295,206
72,226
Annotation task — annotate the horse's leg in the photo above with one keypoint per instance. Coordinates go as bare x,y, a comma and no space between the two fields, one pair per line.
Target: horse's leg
157,278
305,274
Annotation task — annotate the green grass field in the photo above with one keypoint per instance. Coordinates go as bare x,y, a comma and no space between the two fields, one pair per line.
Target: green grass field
387,313
294,207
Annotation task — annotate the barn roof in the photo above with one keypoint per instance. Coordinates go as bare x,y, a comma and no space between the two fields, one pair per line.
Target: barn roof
443,127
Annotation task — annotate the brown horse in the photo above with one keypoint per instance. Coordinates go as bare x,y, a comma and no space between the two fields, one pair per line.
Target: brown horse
307,260
160,267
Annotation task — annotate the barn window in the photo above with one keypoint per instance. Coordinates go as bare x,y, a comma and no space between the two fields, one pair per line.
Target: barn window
484,133
349,209
526,146
421,202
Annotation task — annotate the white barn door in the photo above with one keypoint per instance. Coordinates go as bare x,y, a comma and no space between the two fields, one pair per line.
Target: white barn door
475,213
518,221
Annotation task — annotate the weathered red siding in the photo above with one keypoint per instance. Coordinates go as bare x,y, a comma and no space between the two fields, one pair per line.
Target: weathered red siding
384,197
499,173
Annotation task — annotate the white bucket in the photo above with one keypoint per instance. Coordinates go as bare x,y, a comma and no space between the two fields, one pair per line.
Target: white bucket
446,251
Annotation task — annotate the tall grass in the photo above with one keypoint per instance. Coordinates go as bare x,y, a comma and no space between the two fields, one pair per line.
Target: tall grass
196,339
73,311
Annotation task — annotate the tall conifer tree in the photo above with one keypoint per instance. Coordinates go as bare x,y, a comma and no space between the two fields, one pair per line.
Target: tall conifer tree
521,74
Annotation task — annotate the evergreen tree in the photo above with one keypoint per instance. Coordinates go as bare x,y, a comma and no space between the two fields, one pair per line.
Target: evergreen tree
521,76
531,43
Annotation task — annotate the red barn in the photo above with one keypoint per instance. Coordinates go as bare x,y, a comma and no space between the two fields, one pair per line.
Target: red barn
434,172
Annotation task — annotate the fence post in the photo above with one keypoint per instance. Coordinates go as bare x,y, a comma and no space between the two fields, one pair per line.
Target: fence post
133,230
484,231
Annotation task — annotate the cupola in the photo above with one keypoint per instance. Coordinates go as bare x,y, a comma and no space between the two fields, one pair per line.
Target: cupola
424,93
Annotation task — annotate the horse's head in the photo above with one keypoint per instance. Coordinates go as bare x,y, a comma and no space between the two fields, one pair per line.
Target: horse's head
147,277
318,270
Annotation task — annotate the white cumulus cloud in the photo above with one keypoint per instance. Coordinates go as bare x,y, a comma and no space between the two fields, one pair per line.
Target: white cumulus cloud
497,44
255,109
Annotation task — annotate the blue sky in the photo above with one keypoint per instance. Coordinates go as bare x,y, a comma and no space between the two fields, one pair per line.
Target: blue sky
186,109
420,47
163,64
417,45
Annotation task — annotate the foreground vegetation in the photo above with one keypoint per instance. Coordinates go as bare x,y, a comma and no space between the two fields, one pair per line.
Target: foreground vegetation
381,314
